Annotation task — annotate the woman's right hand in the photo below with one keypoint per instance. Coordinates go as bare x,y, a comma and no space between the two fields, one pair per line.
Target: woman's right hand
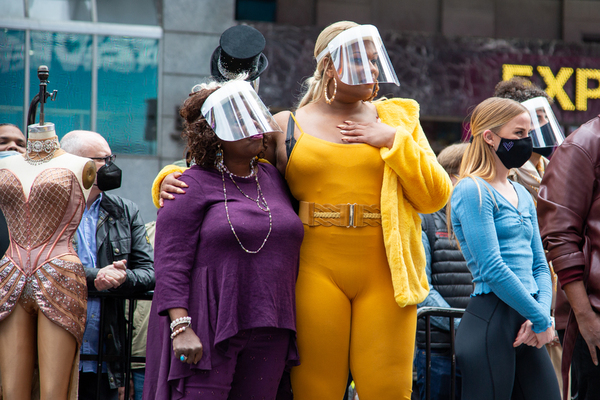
171,185
187,343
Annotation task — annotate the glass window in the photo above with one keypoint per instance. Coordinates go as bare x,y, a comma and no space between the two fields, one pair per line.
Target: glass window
61,10
69,59
12,73
127,93
256,10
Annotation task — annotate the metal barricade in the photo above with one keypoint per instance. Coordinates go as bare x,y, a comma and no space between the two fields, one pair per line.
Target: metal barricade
125,358
427,313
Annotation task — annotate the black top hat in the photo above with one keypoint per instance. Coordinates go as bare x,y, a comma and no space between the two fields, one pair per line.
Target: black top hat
240,50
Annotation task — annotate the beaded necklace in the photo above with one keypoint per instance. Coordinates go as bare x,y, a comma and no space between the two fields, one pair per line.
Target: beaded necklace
260,198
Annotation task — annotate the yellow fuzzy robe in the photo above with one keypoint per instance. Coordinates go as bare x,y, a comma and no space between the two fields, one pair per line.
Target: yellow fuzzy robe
413,182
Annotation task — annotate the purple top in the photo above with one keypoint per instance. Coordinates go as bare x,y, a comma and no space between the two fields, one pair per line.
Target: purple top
200,266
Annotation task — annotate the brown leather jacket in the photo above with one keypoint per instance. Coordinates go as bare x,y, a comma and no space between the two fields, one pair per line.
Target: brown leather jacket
569,211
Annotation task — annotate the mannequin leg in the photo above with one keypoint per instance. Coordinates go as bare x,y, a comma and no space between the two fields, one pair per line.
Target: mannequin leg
17,353
56,353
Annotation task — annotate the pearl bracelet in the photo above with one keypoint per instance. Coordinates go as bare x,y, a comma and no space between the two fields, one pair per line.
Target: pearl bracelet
181,320
178,331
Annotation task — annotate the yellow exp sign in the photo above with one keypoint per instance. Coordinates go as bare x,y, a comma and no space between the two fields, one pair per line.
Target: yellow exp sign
556,83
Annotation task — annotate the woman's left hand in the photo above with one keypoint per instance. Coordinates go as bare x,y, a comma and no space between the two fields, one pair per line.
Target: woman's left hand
526,335
376,134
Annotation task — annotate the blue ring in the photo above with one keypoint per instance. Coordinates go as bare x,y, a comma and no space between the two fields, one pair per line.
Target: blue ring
182,358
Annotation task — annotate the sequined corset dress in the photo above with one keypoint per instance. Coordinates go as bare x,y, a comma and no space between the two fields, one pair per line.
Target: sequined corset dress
41,228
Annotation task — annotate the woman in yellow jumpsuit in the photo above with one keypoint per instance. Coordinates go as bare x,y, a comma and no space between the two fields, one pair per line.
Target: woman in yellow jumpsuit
358,286
362,172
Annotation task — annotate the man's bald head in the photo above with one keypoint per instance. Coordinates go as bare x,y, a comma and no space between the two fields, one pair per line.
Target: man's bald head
85,144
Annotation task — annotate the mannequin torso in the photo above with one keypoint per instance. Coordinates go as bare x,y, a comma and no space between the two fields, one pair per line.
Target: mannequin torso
43,195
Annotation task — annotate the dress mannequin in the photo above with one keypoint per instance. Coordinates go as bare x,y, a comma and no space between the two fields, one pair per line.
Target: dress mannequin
43,292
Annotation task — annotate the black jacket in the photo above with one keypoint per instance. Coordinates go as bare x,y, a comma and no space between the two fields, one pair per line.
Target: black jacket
120,234
450,276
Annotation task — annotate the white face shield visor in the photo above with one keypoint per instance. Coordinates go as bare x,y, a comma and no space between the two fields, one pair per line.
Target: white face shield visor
235,112
546,133
359,57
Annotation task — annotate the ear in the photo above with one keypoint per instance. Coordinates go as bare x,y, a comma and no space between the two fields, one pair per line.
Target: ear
488,137
329,68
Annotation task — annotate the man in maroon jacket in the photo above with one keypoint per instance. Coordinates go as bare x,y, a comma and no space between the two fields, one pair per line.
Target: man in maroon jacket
569,217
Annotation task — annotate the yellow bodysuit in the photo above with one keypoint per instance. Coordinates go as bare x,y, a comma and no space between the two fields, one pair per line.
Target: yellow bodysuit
347,315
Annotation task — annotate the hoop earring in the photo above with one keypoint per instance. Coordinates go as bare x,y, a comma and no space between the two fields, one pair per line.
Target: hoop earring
327,99
375,91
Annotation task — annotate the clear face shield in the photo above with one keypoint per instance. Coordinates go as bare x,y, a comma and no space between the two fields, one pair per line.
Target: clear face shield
359,57
546,133
235,112
255,84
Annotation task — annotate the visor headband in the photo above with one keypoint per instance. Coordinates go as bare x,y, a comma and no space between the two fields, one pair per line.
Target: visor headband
225,91
370,31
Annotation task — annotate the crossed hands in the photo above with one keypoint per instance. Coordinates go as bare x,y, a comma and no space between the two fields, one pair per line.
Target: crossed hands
111,276
527,336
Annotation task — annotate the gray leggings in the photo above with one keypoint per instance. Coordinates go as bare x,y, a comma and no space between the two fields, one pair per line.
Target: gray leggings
491,367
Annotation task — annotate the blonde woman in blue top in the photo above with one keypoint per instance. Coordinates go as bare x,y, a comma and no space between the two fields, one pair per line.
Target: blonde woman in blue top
506,324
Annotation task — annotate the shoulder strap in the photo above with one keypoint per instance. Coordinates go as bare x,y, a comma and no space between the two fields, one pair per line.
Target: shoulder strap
290,140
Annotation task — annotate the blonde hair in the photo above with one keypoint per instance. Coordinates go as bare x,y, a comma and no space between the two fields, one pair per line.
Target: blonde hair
491,114
478,161
313,86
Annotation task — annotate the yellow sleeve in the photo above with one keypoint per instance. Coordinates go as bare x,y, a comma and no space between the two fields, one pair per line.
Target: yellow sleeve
424,182
169,169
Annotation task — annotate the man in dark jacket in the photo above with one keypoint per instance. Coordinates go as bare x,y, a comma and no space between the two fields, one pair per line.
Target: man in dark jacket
569,217
116,253
450,285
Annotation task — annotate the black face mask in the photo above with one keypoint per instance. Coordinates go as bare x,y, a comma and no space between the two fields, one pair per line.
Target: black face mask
108,177
514,152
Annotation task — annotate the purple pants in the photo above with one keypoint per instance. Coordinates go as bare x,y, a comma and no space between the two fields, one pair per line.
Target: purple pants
258,358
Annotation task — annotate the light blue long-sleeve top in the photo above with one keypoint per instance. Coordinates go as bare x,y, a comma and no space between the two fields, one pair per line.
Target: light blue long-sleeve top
503,249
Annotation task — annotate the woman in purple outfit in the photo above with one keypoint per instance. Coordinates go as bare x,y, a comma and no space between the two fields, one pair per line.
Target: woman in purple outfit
226,259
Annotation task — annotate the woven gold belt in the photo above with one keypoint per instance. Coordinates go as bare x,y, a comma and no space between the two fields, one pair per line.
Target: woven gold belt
346,215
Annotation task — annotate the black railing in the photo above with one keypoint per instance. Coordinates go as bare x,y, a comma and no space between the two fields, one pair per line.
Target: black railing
126,358
427,313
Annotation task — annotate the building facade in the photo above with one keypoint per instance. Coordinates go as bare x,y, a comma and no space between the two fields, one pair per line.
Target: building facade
122,68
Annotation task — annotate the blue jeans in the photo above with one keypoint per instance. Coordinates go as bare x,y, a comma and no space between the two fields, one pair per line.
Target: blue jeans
441,365
138,382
